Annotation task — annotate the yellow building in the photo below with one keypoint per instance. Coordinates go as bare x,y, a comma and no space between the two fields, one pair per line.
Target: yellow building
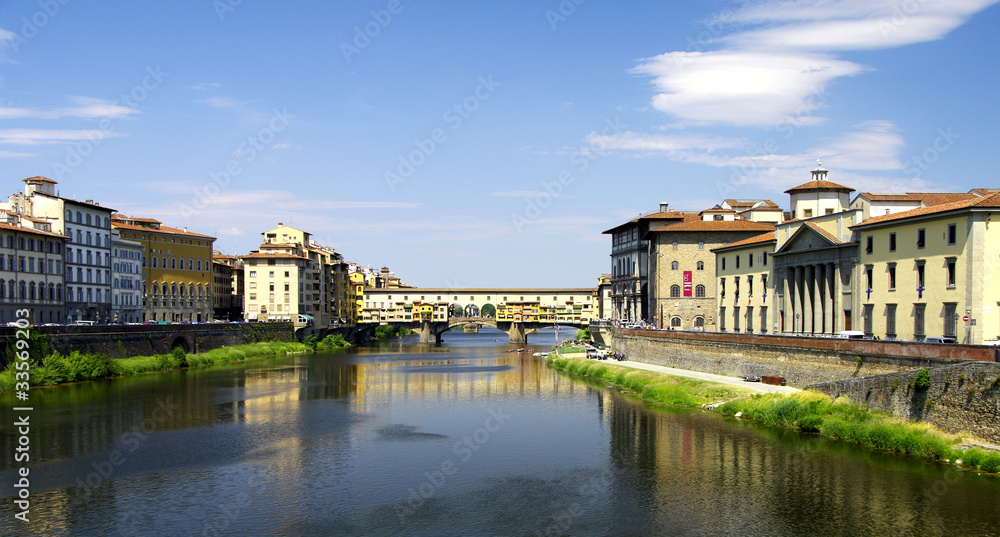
924,271
177,265
744,294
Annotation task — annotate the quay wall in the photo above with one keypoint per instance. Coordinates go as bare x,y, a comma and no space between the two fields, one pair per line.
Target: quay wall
962,397
123,341
801,360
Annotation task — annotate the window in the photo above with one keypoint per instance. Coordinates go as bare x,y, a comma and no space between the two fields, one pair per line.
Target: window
892,276
675,245
892,242
723,263
890,320
675,291
870,274
918,321
828,211
920,275
722,319
737,261
749,315
951,271
869,244
718,217
921,236
701,265
763,255
675,322
952,233
699,291
722,287
950,318
253,274
806,213
868,314
674,265
701,245
750,259
736,319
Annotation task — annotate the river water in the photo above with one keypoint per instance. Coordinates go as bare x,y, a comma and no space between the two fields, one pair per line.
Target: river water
461,439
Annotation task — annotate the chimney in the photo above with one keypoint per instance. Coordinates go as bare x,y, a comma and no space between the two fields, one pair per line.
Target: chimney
664,206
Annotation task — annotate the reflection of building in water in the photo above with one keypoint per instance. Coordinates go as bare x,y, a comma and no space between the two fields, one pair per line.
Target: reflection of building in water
688,462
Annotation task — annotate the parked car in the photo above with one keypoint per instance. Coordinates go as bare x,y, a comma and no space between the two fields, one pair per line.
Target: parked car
940,340
851,334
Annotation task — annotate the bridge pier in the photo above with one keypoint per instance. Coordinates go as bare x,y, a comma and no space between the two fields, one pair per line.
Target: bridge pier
471,328
516,333
429,332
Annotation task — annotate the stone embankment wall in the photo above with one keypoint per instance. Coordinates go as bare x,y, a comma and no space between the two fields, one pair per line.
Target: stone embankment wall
119,341
801,360
963,397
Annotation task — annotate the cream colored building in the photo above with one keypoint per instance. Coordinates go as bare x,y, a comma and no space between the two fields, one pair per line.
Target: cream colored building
925,270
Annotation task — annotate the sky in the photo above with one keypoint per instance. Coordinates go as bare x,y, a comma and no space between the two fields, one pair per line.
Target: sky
487,144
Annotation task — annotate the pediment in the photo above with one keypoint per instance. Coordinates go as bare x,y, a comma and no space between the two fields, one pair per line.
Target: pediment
807,238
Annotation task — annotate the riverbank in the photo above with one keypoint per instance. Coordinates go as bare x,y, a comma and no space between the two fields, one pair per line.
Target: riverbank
808,412
74,367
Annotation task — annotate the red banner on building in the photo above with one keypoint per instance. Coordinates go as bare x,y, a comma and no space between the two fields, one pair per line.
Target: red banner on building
687,283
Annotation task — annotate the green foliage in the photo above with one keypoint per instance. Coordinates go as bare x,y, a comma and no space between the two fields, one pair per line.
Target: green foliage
311,341
980,459
77,366
858,360
388,331
895,384
583,334
333,341
923,380
649,385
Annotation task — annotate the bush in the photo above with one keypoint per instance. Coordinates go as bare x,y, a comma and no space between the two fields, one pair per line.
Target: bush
333,341
923,380
310,341
179,357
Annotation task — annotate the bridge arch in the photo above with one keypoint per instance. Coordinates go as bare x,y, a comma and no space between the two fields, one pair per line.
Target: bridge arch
488,310
472,310
456,310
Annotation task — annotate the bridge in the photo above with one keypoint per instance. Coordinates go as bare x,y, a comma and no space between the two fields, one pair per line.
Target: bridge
431,331
433,311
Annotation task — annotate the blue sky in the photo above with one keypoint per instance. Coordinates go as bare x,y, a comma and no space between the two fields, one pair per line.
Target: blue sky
487,143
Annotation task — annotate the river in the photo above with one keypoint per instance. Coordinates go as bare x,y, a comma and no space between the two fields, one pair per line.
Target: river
461,439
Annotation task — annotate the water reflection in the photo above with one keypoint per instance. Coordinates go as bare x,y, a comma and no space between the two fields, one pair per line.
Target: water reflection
462,439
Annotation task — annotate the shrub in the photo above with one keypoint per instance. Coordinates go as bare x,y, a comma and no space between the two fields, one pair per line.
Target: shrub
923,380
310,341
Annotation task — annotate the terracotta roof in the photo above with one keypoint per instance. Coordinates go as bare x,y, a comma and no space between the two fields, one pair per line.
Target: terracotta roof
748,203
716,225
718,210
40,178
118,216
988,202
820,185
984,191
77,202
31,230
759,239
660,215
929,198
258,255
163,229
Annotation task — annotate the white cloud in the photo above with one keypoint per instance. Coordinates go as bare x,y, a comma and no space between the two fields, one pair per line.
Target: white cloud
87,108
15,154
848,24
219,102
741,87
41,136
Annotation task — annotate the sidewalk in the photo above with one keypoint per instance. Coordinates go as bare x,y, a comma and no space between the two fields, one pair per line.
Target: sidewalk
736,381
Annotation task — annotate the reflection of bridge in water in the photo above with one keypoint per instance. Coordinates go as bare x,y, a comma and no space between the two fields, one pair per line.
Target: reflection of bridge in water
431,331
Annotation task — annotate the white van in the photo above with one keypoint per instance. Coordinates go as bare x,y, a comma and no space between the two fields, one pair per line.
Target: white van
83,323
851,334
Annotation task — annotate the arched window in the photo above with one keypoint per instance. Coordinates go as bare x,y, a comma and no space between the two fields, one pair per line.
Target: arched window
675,265
190,288
699,321
22,290
675,322
701,265
31,288
182,289
3,289
191,264
699,291
173,263
52,291
165,288
675,291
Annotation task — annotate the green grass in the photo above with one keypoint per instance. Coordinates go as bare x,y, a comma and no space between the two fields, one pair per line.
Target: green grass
76,366
649,385
806,411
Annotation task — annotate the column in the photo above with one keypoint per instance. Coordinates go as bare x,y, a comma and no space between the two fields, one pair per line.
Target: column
817,299
797,320
831,311
807,299
786,301
835,297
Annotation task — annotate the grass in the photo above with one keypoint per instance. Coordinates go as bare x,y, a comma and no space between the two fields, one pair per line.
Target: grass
806,411
76,366
651,386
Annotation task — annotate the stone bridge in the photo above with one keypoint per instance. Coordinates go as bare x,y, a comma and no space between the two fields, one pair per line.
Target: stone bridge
431,331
